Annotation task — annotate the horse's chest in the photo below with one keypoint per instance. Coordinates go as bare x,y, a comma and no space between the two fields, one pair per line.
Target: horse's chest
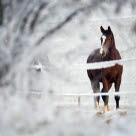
110,73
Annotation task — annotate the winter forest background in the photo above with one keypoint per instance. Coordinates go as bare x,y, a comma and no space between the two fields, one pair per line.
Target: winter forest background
60,34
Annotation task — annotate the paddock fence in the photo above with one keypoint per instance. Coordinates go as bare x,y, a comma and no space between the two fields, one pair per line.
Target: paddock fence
40,68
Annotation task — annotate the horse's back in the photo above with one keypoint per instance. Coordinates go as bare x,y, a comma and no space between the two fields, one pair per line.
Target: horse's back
96,74
94,57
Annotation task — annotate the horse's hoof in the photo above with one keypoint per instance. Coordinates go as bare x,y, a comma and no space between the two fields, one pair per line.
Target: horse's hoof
98,110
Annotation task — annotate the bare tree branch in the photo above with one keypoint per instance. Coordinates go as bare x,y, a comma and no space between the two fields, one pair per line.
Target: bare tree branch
1,12
25,20
64,22
34,21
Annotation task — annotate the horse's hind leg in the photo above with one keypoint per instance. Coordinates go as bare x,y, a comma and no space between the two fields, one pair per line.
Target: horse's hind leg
117,87
96,89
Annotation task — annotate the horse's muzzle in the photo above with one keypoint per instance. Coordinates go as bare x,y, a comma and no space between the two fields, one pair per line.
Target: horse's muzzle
102,53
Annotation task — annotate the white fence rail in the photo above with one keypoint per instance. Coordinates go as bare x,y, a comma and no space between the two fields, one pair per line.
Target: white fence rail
98,65
85,94
106,64
79,95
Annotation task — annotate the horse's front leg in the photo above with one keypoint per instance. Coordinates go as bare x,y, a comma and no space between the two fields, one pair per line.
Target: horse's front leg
106,88
105,100
117,87
96,89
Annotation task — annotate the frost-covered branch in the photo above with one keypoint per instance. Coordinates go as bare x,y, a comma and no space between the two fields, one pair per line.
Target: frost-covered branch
61,24
1,12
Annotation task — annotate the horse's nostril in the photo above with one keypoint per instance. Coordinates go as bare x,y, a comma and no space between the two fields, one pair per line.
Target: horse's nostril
103,54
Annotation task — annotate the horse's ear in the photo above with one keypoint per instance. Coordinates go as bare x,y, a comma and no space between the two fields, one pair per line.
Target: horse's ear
102,29
109,29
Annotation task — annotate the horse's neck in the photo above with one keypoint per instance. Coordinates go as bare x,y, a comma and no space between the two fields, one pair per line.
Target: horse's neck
113,50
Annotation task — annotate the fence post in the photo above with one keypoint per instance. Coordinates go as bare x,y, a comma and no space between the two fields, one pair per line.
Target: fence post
79,100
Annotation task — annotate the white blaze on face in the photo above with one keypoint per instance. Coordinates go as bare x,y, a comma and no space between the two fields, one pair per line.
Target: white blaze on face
103,41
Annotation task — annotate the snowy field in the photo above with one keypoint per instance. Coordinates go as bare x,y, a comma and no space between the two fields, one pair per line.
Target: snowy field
60,34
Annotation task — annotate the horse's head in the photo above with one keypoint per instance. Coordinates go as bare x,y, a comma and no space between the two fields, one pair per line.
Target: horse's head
106,39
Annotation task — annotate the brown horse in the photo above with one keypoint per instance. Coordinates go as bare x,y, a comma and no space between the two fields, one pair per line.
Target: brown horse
107,76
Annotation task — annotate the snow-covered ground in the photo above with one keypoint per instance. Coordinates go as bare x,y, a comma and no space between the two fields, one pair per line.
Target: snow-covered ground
63,53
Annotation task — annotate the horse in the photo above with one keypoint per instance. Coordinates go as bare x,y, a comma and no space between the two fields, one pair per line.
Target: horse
106,76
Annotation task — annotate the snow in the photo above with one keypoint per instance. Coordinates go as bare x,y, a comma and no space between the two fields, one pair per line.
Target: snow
63,56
